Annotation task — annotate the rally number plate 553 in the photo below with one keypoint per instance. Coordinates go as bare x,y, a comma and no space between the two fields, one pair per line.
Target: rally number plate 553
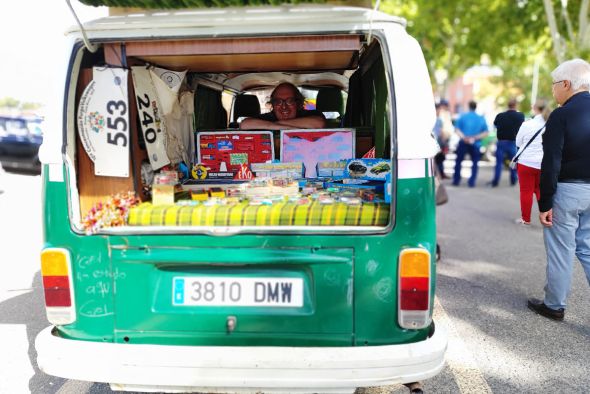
237,291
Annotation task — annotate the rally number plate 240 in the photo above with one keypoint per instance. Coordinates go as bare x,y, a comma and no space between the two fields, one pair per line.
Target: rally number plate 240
237,291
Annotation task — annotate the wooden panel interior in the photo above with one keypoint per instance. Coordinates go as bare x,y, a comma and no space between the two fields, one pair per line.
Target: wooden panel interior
259,54
228,46
260,62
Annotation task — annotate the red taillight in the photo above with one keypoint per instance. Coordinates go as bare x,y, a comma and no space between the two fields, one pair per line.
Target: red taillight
57,285
414,288
415,294
57,291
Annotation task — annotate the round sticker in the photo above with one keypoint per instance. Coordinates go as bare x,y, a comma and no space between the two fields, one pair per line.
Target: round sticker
199,171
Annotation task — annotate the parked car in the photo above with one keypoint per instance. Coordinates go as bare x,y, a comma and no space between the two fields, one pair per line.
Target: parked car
20,138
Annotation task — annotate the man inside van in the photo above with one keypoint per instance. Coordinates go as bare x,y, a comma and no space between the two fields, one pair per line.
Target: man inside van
287,112
471,128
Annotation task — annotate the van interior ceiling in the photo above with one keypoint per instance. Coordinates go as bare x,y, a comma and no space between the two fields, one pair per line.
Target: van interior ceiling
343,68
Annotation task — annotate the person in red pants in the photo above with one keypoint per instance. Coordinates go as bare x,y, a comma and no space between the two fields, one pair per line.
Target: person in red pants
529,159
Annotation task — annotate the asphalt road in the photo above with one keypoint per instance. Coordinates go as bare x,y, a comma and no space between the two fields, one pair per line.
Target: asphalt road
489,267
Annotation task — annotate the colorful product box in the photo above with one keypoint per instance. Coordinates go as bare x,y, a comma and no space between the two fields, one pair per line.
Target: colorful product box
278,170
377,187
331,169
163,194
368,169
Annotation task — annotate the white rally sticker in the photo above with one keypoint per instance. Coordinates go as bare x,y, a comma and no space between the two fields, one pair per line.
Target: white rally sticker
150,117
103,121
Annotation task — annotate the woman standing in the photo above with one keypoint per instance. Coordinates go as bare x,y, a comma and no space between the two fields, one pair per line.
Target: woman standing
529,161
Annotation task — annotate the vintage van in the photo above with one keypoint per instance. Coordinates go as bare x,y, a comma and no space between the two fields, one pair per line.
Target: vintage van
228,265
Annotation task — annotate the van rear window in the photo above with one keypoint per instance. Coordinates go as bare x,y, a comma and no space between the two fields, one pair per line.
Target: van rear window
188,139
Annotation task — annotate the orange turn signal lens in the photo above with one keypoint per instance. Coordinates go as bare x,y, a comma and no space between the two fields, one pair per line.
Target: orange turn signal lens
414,263
54,262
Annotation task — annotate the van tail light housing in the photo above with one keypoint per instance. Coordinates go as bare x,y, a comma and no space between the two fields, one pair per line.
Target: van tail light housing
56,272
414,288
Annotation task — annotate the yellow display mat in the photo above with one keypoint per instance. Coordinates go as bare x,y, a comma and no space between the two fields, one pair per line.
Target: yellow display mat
244,214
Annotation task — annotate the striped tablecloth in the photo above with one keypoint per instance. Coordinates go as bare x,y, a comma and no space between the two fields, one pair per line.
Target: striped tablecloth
243,214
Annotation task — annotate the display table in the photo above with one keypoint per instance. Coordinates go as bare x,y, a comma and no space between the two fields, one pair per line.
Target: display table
244,214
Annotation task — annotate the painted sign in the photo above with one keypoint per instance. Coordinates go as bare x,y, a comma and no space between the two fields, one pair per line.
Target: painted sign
103,121
314,146
150,117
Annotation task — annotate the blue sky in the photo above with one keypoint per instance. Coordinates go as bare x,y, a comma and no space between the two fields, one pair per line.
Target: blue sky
32,34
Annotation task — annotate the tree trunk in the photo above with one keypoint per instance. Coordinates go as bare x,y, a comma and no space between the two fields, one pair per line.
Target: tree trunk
584,32
555,36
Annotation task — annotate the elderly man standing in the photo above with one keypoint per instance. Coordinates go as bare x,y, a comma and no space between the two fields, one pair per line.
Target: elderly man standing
565,186
472,128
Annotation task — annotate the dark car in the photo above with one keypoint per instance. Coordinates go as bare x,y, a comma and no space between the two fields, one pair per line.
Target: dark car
20,138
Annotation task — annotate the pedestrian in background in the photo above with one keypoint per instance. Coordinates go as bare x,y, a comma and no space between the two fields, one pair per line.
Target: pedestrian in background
507,124
530,154
443,129
471,128
565,186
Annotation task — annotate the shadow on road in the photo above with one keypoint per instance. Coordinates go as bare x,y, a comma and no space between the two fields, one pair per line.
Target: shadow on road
28,309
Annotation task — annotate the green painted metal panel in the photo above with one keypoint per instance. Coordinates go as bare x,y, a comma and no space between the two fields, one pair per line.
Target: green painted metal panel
144,290
121,273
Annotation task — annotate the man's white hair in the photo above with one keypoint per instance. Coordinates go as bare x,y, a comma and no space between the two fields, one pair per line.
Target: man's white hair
577,71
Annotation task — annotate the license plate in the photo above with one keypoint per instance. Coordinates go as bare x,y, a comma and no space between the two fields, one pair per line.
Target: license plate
218,291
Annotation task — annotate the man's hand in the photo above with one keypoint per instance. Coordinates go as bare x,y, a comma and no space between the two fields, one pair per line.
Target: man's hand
546,218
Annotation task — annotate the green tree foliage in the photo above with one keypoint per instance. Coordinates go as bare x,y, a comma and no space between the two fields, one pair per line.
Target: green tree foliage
10,103
455,33
514,34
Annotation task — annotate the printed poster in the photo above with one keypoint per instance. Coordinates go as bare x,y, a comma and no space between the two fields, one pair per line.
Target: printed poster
314,146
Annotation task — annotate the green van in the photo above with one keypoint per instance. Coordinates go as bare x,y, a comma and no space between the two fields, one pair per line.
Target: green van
184,254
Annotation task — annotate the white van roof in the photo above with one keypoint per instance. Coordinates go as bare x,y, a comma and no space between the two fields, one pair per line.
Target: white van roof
233,20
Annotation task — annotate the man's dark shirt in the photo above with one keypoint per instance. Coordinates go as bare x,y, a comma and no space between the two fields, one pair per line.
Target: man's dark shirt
507,123
271,117
566,147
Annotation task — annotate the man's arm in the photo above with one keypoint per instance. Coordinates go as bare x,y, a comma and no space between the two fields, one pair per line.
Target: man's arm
553,140
259,124
546,218
458,127
307,122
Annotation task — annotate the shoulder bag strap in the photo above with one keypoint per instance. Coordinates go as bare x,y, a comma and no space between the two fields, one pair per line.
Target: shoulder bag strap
515,159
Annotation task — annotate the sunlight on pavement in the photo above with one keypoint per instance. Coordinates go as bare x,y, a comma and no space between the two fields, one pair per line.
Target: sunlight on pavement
13,341
459,359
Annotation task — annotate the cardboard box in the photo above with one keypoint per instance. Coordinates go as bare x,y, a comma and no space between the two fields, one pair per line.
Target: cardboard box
162,194
331,169
293,170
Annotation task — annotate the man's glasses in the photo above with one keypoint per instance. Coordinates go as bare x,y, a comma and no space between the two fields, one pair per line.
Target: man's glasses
563,80
277,102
